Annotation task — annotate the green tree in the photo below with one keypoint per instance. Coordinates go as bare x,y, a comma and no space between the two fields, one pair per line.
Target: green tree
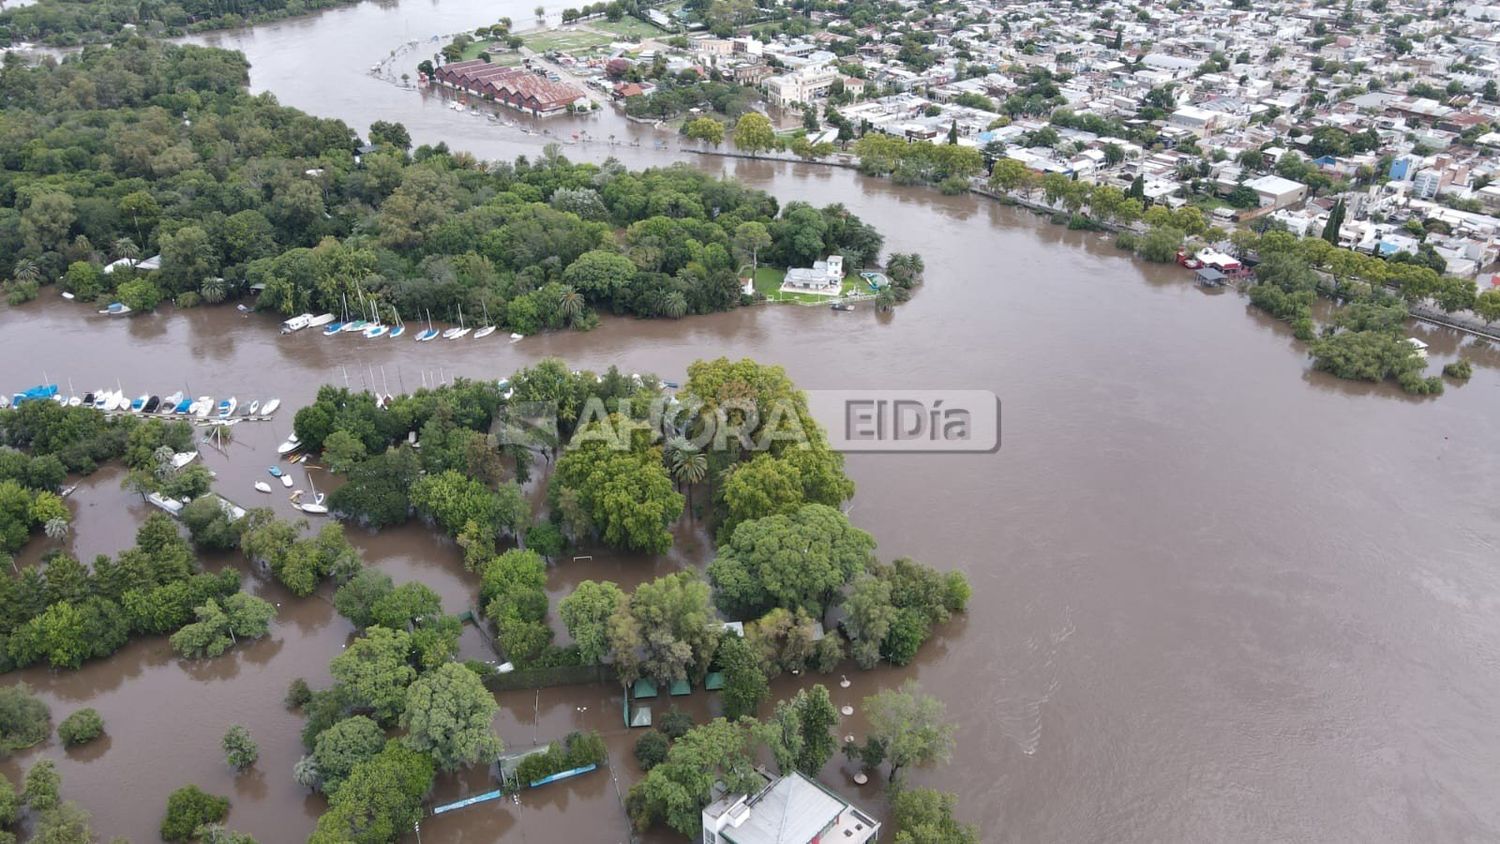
705,129
447,716
1335,222
801,731
240,750
586,612
745,686
343,746
40,789
753,133
627,494
668,631
717,754
380,801
24,718
750,239
910,726
81,727
356,599
343,451
791,560
925,816
189,808
375,671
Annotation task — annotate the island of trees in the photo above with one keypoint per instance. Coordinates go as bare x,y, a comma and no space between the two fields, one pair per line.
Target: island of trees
145,149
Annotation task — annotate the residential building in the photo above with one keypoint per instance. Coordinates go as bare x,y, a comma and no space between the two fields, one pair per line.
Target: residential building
792,809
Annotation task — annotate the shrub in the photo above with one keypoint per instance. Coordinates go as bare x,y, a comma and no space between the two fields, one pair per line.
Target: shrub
81,727
954,185
298,694
576,751
1078,222
675,723
24,718
1127,241
188,808
22,292
240,750
1059,219
1459,370
651,750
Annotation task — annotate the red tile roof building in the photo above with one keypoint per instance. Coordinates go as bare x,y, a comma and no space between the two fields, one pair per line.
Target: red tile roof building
516,87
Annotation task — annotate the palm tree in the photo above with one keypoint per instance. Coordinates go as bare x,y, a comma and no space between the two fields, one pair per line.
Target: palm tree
212,290
26,271
674,305
885,298
541,12
570,304
57,529
125,248
689,466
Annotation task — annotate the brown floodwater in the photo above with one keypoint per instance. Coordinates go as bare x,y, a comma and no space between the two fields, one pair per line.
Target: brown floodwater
1217,596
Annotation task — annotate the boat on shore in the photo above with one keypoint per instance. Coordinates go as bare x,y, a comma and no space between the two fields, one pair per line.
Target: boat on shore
296,323
270,407
430,333
254,408
227,406
320,320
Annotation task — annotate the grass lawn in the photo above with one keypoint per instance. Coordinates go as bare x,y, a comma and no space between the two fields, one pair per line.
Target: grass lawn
564,41
628,27
499,54
768,281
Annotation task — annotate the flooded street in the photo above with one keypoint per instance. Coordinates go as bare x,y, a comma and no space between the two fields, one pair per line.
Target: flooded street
1216,596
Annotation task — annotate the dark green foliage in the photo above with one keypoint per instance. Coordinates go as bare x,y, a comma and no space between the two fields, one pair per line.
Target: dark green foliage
674,723
298,694
1459,370
575,751
188,808
24,718
81,727
651,750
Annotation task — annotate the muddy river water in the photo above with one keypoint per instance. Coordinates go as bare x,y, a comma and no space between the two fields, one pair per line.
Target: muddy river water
1216,596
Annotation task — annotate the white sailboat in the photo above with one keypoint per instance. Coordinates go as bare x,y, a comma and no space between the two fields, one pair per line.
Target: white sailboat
460,331
489,327
430,333
315,507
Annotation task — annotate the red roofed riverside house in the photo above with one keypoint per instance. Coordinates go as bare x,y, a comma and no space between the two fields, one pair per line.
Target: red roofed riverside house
516,87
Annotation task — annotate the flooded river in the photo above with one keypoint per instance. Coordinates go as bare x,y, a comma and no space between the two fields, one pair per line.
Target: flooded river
1216,596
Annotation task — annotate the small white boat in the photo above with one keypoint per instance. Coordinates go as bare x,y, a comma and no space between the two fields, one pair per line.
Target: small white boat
74,401
182,458
514,337
262,486
286,481
296,323
227,406
270,407
158,500
205,407
67,295
170,403
320,320
290,445
254,408
115,309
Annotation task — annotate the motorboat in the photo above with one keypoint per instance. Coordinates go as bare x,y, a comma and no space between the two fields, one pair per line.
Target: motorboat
152,403
296,323
172,507
286,481
115,309
289,445
227,406
138,404
274,471
185,405
262,486
270,407
841,306
320,320
182,458
205,407
514,337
